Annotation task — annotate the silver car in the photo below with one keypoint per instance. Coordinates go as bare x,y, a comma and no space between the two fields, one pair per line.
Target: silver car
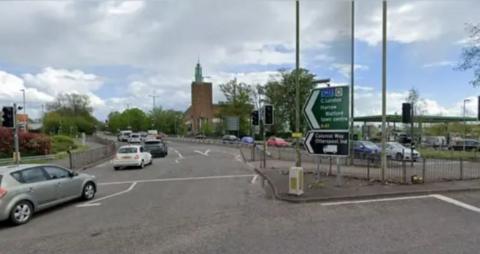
29,188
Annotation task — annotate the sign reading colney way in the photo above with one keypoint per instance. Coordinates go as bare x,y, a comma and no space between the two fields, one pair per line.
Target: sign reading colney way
328,111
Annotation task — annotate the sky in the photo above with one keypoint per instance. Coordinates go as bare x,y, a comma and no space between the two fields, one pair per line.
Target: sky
119,53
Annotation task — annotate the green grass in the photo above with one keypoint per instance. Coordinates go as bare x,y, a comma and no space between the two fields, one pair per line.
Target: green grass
430,153
62,143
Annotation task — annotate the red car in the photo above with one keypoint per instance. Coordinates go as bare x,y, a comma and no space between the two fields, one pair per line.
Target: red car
278,142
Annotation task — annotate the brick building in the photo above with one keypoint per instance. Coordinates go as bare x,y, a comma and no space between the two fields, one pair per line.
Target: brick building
202,110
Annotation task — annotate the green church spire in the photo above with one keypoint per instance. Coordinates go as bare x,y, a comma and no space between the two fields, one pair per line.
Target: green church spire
198,73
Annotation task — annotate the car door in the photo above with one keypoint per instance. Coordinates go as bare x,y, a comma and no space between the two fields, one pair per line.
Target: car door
66,185
36,183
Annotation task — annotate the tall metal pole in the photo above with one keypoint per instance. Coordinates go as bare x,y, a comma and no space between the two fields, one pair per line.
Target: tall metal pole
15,135
384,86
464,122
298,162
352,84
153,102
412,122
24,107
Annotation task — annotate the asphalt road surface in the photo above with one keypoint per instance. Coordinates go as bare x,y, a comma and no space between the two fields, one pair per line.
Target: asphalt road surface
204,199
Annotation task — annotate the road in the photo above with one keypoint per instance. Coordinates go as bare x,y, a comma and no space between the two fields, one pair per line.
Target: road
204,199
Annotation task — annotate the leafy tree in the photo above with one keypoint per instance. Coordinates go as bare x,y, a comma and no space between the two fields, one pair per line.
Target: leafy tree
69,114
471,54
281,94
238,103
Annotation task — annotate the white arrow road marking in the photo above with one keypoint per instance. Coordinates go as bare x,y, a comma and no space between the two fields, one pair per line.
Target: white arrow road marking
95,202
204,154
309,109
178,153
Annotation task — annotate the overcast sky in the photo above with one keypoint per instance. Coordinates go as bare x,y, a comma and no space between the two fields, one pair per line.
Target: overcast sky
120,52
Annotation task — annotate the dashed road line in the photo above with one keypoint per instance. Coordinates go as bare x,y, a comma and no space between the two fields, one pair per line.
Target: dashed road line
456,202
254,179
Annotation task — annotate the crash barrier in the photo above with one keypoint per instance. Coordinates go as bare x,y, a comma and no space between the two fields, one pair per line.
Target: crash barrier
369,167
28,159
82,159
209,141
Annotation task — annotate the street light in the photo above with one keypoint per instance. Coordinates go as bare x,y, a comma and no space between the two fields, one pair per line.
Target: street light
464,122
24,107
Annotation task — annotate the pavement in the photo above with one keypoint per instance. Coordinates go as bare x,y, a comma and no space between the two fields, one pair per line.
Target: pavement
205,199
325,187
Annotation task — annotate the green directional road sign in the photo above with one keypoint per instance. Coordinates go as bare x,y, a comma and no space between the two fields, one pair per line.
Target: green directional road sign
328,108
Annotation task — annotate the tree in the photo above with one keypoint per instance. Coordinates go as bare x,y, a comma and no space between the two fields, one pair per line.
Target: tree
471,54
281,94
69,114
414,98
238,103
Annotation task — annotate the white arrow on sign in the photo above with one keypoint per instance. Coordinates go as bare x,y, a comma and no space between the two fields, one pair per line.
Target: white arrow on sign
308,140
309,109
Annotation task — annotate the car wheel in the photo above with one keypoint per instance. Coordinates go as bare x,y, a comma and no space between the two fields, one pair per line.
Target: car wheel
142,164
116,168
151,161
398,157
88,192
21,213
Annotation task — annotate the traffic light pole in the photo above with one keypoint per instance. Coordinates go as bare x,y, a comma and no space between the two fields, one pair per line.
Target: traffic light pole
411,135
15,135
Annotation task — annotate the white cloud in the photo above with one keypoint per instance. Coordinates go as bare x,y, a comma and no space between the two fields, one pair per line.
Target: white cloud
345,69
444,63
55,81
125,7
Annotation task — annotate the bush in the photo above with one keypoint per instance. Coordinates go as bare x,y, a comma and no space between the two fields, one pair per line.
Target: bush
62,143
29,143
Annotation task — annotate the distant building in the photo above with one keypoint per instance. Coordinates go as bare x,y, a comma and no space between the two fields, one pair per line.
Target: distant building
202,110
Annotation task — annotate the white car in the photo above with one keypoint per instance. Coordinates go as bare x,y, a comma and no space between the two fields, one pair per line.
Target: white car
397,151
135,138
131,155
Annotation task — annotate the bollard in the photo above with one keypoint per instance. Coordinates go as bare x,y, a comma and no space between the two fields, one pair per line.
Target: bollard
404,172
424,169
330,167
461,168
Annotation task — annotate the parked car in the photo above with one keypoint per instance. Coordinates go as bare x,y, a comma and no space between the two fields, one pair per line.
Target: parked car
200,136
143,136
29,188
229,139
135,138
156,148
131,155
278,142
247,140
365,149
397,151
470,145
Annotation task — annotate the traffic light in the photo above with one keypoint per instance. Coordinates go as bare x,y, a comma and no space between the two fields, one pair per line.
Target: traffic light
406,113
255,118
268,114
7,113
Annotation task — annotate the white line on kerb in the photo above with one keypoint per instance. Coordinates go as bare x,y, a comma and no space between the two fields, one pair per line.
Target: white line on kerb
178,179
373,200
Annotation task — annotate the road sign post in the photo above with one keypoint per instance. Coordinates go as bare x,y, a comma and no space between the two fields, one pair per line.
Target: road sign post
327,111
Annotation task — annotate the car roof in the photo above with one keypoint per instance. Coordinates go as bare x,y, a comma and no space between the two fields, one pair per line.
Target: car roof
130,146
11,168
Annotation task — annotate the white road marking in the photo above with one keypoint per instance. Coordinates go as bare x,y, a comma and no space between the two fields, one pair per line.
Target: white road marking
456,202
204,154
254,179
238,158
373,200
178,179
95,201
178,153
436,196
176,161
89,204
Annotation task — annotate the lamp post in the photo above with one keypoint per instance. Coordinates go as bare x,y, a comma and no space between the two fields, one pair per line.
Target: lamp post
24,107
298,162
464,122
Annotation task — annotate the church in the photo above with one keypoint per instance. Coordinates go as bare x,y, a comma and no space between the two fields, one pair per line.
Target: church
202,111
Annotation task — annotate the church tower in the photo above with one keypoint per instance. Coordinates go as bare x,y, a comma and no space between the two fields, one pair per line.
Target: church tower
201,111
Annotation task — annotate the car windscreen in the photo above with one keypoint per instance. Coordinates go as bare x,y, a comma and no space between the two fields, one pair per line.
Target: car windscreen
134,136
127,150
